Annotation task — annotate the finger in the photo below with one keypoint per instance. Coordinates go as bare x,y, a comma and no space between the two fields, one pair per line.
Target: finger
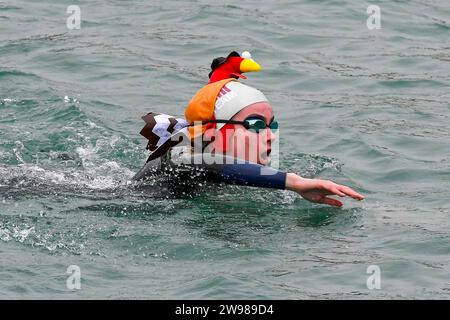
329,188
350,192
336,191
331,202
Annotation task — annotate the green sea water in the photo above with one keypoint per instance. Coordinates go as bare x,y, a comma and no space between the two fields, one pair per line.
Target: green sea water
365,108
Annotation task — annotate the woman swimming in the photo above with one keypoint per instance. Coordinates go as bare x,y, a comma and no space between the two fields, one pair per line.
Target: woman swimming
227,137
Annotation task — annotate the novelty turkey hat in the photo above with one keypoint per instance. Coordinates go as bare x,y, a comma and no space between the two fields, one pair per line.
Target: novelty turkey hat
232,66
223,97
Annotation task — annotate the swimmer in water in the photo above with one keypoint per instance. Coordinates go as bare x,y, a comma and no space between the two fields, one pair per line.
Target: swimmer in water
229,120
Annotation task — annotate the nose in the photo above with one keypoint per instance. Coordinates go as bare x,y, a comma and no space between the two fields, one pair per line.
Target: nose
270,136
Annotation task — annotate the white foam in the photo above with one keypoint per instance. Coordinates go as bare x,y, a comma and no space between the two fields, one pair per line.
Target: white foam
8,100
96,172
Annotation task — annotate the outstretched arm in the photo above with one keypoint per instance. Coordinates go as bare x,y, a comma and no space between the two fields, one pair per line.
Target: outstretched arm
316,190
251,174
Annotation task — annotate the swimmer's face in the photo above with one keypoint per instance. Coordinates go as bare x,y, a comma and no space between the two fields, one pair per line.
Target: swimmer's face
247,144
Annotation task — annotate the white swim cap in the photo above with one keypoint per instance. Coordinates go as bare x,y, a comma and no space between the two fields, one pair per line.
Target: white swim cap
232,98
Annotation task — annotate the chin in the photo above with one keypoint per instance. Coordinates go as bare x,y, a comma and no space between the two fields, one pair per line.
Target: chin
264,158
264,161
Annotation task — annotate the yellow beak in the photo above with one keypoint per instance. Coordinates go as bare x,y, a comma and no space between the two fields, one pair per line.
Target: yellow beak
248,65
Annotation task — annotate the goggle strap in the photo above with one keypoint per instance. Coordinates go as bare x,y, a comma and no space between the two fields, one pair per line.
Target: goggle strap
244,123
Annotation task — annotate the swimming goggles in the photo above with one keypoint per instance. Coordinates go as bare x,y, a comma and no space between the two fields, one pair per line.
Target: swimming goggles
251,123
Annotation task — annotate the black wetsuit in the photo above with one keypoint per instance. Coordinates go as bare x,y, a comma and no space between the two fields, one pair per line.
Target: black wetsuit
211,168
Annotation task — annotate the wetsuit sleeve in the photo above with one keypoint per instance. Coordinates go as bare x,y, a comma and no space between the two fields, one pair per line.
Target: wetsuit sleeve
242,173
251,174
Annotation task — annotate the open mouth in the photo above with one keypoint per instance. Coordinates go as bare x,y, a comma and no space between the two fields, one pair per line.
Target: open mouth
265,155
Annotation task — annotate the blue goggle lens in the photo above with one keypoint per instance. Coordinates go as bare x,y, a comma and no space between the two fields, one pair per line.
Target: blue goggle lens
259,124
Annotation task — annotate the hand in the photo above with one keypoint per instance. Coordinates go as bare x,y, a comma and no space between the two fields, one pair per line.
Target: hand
316,190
